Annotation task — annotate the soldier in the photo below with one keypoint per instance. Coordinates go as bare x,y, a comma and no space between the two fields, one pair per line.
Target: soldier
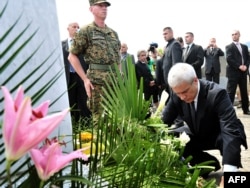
100,47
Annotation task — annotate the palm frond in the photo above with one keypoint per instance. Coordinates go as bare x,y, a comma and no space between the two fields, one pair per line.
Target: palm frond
124,95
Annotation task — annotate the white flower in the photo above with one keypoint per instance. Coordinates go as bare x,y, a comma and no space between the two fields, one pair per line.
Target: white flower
164,97
166,142
184,138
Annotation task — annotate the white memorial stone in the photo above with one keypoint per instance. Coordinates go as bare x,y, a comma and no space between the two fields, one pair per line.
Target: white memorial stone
39,58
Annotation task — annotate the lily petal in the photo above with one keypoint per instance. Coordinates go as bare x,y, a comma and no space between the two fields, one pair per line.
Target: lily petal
19,96
40,111
49,160
9,113
36,132
24,128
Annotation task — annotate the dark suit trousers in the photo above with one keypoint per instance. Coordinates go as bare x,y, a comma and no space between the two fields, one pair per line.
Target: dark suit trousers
77,98
212,76
241,80
151,91
196,149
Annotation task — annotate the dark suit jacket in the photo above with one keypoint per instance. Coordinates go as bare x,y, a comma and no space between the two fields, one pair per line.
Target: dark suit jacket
216,125
124,61
65,48
233,58
143,71
172,55
159,77
213,60
195,57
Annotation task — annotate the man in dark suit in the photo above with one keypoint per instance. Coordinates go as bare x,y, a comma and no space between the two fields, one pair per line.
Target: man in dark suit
210,117
172,53
76,90
212,61
193,54
238,60
125,57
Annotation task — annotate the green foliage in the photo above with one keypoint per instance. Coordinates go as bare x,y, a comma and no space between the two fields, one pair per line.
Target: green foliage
138,152
124,96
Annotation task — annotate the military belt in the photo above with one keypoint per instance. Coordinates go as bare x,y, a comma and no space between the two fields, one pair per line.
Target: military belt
101,67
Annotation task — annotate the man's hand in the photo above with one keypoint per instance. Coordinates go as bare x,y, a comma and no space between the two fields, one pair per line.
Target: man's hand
88,87
221,182
243,68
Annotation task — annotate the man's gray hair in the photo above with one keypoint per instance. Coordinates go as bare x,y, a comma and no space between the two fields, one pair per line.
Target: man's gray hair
179,73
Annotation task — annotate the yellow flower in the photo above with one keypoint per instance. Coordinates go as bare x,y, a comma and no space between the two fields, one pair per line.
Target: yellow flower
86,136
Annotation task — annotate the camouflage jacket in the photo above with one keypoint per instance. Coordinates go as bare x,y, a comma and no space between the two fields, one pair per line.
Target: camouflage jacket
97,45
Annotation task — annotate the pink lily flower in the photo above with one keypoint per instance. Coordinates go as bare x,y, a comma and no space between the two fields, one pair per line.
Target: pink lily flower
49,159
23,127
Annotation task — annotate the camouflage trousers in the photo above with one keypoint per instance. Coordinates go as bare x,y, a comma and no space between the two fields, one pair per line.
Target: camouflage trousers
99,79
96,99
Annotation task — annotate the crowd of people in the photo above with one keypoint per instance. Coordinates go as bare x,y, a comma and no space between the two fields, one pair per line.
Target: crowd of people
201,105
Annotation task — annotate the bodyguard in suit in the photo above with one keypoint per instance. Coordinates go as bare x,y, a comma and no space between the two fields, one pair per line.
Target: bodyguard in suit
193,54
172,53
210,116
238,60
76,90
212,61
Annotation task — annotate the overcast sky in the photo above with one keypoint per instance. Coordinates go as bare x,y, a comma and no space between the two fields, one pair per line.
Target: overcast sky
140,22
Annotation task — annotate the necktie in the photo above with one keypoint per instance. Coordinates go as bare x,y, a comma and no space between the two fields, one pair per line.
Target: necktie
239,47
193,116
186,52
193,112
212,51
240,50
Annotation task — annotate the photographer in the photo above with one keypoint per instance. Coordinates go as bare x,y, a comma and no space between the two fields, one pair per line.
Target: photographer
152,48
152,56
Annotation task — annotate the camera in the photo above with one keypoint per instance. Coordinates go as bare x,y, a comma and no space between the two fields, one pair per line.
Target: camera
152,47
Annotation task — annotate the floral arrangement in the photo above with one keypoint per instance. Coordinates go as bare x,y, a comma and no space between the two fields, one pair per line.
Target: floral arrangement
24,128
131,151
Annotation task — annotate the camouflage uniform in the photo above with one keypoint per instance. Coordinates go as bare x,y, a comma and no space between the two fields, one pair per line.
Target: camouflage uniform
94,2
100,48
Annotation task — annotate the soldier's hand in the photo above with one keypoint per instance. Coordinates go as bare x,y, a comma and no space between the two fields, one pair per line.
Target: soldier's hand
88,87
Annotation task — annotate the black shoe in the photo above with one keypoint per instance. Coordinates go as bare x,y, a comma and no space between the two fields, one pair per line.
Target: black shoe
246,113
239,105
